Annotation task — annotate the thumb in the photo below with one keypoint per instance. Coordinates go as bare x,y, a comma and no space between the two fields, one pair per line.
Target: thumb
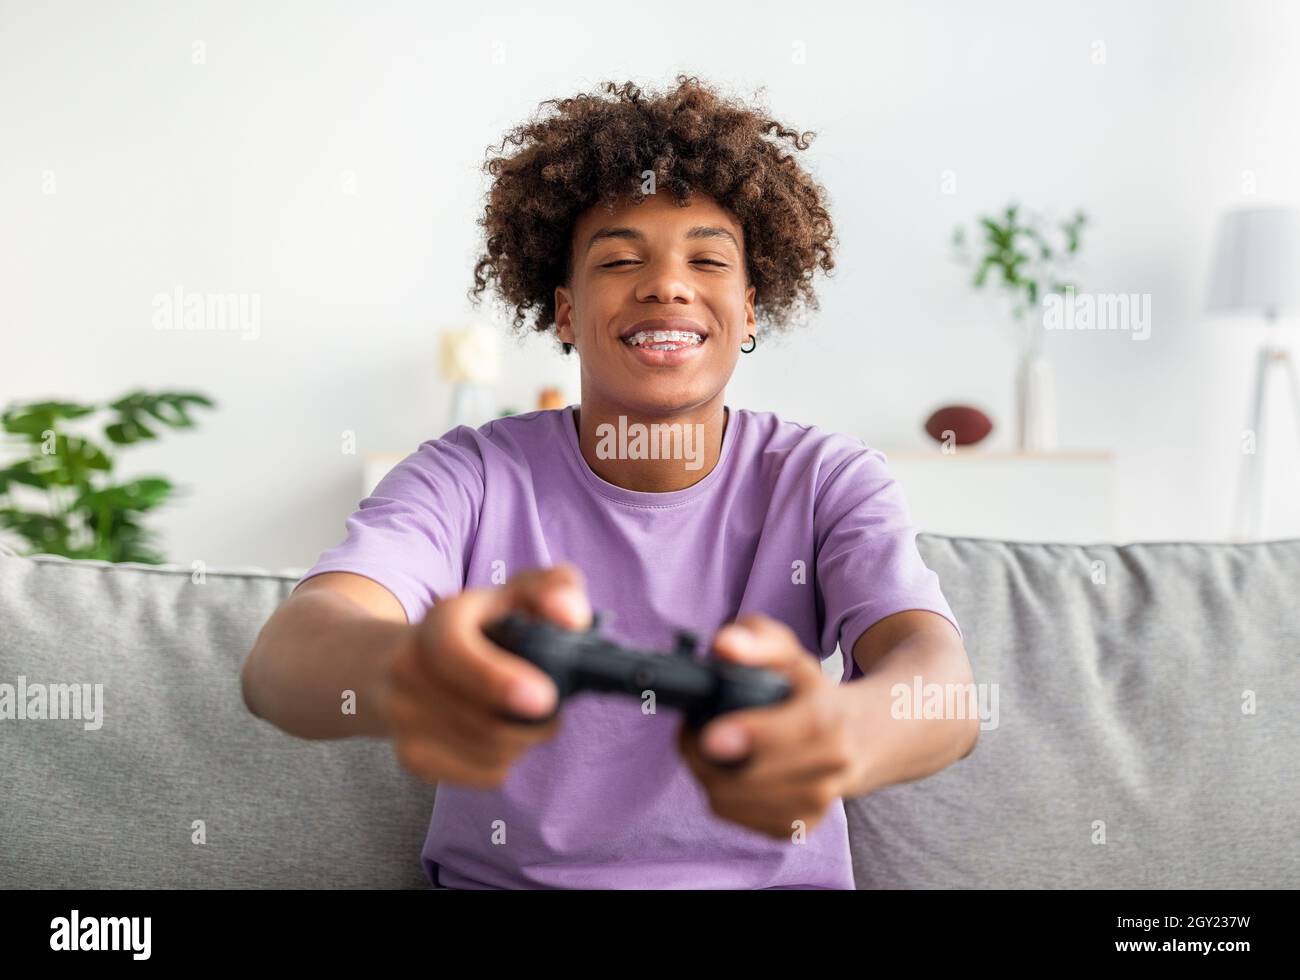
558,594
756,640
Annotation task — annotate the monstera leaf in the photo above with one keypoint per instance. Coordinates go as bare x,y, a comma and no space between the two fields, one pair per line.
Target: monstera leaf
85,512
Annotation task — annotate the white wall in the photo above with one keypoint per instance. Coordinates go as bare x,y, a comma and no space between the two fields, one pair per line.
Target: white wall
227,176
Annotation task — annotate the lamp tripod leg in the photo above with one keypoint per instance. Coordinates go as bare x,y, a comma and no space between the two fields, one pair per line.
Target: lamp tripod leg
1293,382
1250,479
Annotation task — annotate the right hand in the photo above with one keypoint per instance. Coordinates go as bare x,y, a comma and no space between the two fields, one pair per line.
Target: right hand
451,693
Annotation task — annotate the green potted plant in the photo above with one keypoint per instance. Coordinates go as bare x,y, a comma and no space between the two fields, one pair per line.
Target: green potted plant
1027,258
78,508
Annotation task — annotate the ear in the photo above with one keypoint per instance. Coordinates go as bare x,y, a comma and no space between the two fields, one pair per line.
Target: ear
564,315
750,320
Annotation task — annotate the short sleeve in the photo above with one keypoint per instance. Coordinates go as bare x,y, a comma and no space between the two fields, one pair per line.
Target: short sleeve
414,533
868,566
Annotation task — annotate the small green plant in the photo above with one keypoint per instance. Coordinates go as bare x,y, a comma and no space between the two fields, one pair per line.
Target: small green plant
86,512
1018,248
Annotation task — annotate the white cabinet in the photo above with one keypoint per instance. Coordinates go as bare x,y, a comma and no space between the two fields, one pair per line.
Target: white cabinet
1065,497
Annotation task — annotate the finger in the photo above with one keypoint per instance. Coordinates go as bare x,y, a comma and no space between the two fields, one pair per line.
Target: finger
812,715
423,710
434,762
756,640
485,749
518,688
705,770
774,772
558,593
457,655
706,766
763,801
773,778
760,641
777,814
763,773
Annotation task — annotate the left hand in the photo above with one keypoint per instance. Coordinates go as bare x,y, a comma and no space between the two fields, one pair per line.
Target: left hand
800,756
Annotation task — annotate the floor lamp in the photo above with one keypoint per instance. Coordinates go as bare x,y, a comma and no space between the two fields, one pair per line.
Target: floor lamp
1257,271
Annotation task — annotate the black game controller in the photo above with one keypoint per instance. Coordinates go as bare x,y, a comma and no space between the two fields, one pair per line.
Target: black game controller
580,661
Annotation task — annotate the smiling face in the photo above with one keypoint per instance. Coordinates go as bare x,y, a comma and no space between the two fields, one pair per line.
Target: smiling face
657,305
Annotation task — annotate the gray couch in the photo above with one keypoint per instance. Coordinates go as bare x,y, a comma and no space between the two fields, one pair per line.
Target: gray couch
1147,733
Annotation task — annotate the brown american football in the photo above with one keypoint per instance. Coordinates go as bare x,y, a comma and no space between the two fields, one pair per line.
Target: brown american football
968,424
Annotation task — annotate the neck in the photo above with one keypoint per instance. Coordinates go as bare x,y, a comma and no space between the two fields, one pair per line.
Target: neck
655,453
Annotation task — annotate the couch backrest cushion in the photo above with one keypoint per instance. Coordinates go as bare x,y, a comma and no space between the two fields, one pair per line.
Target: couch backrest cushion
1126,678
117,807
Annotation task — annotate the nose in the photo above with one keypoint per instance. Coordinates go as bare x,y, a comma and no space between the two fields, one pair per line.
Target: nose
664,281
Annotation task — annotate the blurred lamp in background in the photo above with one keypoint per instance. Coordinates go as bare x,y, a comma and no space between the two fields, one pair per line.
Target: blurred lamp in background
471,362
1257,271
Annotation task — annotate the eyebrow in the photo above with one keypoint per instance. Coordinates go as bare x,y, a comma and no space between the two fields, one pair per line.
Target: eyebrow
699,231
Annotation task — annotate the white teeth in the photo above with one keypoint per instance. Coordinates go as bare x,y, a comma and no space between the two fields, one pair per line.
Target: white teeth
664,337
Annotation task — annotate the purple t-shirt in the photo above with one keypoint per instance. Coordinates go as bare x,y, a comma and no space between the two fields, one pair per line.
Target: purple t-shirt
806,526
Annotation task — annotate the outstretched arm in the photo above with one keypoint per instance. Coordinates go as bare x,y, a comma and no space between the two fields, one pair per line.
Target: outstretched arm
892,654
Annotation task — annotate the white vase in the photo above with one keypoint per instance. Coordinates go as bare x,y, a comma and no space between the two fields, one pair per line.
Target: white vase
1035,402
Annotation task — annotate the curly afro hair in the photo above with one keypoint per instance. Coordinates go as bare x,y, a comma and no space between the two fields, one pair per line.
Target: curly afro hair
591,150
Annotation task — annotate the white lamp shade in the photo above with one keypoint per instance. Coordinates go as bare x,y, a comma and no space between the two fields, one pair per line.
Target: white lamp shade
1257,262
